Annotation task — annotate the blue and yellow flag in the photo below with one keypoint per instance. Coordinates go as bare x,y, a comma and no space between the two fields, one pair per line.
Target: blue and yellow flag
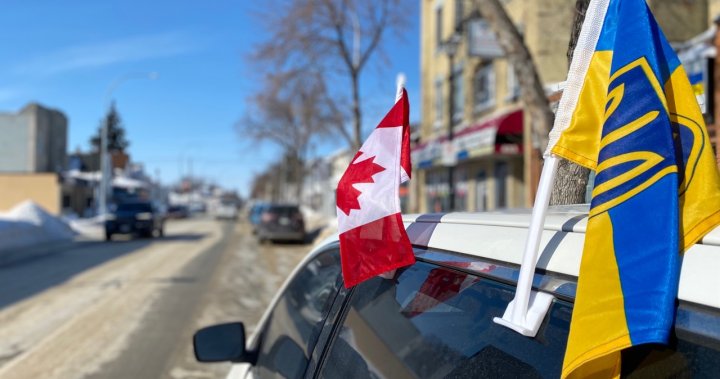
632,117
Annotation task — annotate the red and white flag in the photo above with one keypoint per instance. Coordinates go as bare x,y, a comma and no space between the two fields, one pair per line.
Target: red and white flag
372,236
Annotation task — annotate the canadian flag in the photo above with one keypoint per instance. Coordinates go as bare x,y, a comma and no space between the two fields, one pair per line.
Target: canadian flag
372,236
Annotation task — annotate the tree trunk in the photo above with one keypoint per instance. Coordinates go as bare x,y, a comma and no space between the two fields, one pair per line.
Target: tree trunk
532,91
571,179
300,161
534,99
357,121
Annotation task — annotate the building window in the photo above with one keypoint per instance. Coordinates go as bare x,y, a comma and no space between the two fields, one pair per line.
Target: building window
460,189
458,95
513,85
458,14
484,87
437,191
480,191
438,28
501,173
438,103
65,201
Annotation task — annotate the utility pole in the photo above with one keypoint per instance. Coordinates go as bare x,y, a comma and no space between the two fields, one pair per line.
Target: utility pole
105,174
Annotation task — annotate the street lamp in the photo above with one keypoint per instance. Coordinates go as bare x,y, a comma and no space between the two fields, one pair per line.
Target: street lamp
104,158
450,47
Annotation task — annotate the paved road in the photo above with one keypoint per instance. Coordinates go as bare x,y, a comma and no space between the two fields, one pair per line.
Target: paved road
127,309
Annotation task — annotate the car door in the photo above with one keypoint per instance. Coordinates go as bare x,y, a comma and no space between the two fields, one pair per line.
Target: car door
288,338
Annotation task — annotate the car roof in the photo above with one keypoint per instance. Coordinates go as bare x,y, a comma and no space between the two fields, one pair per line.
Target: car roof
501,236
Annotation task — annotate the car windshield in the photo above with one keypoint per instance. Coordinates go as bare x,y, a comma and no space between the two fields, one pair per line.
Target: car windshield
283,210
134,207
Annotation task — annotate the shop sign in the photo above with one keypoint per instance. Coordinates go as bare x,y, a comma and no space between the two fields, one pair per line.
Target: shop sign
475,143
426,155
697,65
482,41
449,157
509,148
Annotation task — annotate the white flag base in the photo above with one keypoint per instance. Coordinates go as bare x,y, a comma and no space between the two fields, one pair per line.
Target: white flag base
537,309
526,311
388,274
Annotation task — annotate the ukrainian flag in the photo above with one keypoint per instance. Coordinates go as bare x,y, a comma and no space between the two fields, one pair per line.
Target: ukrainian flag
630,114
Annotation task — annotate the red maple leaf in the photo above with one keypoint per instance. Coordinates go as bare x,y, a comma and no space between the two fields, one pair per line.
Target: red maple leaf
361,172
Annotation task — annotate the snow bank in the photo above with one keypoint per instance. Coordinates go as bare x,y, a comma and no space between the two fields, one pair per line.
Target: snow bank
86,226
29,224
314,220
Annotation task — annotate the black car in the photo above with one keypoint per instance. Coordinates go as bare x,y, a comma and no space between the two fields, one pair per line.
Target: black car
178,211
281,222
139,218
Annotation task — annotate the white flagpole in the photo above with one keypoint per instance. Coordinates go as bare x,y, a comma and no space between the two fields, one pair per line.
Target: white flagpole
400,82
527,310
400,85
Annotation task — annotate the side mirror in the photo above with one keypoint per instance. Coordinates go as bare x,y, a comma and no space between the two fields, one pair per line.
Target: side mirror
220,343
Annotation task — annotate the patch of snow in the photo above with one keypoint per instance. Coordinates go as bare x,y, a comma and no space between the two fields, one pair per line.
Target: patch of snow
93,226
314,220
28,224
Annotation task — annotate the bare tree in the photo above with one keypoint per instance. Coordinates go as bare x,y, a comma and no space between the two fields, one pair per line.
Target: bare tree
571,179
571,182
290,110
335,37
532,92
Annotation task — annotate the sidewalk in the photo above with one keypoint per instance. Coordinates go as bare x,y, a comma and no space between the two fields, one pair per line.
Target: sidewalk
19,254
28,231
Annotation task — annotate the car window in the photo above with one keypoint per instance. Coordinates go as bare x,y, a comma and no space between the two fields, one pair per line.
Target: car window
287,342
257,209
286,211
134,207
434,322
694,350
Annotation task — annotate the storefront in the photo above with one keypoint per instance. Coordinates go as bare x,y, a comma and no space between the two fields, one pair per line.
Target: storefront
481,168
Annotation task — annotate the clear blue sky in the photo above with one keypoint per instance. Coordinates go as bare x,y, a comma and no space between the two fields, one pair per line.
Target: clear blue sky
66,54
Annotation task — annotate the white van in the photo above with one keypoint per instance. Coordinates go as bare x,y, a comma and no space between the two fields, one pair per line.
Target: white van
225,210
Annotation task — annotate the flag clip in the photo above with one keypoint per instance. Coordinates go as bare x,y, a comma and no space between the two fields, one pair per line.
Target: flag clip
537,309
527,310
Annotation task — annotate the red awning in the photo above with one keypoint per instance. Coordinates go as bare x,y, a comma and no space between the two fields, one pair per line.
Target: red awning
511,123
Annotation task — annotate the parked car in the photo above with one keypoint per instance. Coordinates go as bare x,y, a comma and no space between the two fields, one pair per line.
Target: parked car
197,207
255,213
139,217
434,319
225,210
178,212
281,222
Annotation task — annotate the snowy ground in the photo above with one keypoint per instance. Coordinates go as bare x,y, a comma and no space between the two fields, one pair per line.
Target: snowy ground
314,220
89,227
29,225
127,309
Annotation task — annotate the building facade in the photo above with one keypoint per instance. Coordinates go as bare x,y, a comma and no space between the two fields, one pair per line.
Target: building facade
475,150
41,188
33,140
